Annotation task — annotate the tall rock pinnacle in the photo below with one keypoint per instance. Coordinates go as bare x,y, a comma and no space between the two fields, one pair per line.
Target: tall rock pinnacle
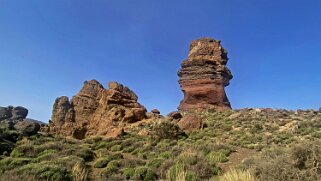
204,76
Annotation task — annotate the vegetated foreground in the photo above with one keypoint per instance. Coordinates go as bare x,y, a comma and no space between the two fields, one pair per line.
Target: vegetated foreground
247,144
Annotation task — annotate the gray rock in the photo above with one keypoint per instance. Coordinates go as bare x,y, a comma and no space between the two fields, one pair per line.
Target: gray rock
19,112
27,128
5,113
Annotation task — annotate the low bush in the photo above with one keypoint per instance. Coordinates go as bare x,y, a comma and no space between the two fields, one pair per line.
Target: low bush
102,162
144,173
301,162
9,163
46,171
165,129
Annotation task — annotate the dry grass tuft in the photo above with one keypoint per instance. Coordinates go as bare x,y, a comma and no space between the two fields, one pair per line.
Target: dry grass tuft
236,175
79,172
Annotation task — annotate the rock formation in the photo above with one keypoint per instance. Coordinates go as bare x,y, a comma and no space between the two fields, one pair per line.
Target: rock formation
96,111
15,118
204,75
190,123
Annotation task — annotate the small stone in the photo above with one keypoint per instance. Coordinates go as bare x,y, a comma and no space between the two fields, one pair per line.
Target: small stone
155,111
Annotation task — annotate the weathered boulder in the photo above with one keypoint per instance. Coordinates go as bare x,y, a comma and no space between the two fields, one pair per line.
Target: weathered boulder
155,111
204,75
19,112
14,118
190,123
96,111
27,128
175,115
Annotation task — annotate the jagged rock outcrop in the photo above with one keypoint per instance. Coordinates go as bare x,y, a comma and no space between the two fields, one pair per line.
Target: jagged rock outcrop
14,125
13,113
204,75
96,111
15,118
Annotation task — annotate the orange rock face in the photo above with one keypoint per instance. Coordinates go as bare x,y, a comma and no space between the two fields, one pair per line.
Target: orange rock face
96,111
204,75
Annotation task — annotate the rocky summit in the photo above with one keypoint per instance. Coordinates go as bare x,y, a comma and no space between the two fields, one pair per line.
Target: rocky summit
204,75
96,111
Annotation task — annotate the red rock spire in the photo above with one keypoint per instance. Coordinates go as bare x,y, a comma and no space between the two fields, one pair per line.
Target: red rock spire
204,75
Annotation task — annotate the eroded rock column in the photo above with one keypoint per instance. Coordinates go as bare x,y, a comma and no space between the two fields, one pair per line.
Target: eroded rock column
204,76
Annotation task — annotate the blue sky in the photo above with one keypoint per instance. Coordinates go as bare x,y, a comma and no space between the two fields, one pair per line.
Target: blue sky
48,48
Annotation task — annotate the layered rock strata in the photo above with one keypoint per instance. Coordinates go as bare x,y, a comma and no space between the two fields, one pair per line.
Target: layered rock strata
96,111
204,76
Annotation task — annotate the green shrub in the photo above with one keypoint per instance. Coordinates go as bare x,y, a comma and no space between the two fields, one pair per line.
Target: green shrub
188,157
179,172
46,172
155,163
144,173
128,173
111,168
217,157
166,130
45,155
102,162
116,148
67,161
165,154
11,163
83,152
301,162
24,150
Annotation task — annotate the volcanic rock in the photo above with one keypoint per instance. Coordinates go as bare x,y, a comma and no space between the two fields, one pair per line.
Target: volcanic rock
204,76
19,112
27,128
96,111
174,115
155,111
14,118
190,123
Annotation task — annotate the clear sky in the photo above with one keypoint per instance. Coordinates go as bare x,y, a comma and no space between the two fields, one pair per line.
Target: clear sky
48,48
